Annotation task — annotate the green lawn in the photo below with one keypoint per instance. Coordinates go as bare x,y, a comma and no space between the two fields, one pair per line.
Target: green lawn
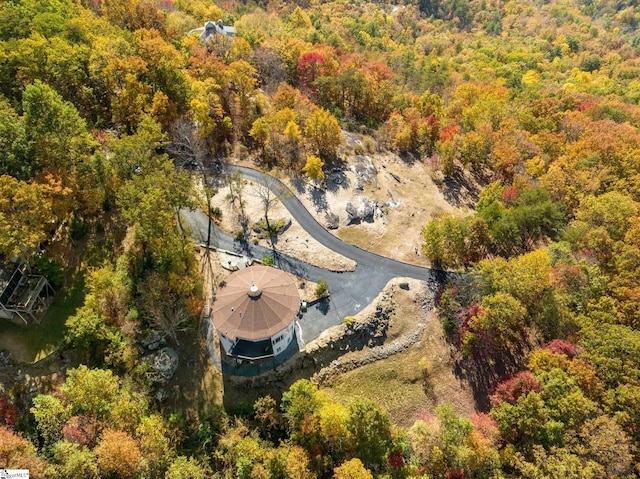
31,343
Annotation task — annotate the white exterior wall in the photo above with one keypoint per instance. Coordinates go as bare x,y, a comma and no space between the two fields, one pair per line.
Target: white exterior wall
279,345
226,343
281,340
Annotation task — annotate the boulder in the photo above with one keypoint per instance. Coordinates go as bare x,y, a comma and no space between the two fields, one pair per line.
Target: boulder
285,226
332,219
5,359
352,214
152,341
364,168
162,365
366,209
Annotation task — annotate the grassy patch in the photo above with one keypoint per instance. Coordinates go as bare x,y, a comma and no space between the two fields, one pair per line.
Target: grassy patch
28,344
397,383
32,343
197,383
379,242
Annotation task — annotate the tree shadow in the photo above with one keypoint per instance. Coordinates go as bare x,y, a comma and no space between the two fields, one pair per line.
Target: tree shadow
483,373
242,246
285,263
337,180
458,190
408,158
324,305
299,184
194,398
319,198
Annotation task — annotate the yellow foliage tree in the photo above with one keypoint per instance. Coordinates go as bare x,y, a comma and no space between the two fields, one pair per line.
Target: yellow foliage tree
323,133
353,469
313,168
25,214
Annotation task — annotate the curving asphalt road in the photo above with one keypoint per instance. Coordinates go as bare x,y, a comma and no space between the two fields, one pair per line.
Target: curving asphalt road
350,291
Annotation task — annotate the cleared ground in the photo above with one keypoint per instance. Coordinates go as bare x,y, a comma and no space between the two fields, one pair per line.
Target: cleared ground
405,190
399,383
295,241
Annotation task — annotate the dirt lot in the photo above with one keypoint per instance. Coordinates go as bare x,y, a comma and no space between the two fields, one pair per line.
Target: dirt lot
294,241
404,192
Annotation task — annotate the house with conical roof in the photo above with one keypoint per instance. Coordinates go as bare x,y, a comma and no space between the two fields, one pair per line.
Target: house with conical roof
254,313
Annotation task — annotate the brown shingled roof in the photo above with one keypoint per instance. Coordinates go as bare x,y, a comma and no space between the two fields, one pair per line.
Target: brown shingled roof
256,303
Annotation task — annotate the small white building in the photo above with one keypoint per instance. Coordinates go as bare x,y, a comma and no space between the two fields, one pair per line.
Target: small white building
214,28
254,312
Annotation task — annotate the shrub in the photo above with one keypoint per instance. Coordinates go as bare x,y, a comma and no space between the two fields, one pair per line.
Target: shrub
216,213
268,261
322,287
51,270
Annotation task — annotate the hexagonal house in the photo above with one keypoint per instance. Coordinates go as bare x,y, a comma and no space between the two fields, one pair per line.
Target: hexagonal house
254,313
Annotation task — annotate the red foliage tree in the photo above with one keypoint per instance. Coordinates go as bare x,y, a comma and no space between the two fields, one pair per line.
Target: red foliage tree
395,458
8,412
510,195
585,105
561,346
455,474
310,66
80,430
485,425
510,390
448,132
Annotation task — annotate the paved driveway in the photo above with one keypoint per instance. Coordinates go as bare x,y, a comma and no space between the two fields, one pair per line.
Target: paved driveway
350,291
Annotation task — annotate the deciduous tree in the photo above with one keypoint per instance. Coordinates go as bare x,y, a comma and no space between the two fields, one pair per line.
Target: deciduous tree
58,135
118,454
369,433
187,468
352,469
313,168
17,452
26,214
323,134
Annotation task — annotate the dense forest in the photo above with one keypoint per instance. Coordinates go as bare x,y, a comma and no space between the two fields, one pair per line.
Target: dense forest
102,104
